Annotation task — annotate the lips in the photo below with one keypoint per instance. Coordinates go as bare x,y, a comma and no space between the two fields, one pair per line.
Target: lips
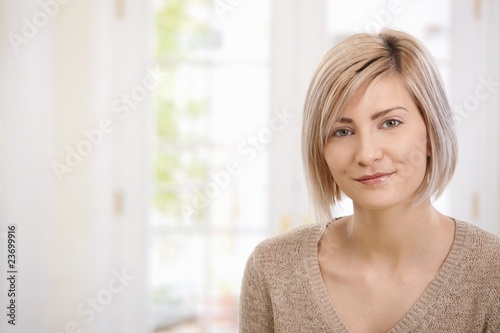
375,178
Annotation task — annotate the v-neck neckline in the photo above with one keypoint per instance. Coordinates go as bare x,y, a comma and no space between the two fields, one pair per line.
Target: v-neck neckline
418,310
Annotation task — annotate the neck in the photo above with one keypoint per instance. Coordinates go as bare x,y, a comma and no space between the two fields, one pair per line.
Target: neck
395,234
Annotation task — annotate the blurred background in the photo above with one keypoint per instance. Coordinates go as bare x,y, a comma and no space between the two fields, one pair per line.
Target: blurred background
147,146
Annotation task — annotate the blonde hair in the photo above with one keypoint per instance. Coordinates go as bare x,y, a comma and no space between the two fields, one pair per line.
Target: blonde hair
349,66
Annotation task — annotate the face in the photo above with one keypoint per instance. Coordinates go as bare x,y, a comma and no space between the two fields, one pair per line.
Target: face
377,151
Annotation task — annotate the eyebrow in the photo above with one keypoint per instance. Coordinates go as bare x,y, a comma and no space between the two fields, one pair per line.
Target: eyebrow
375,115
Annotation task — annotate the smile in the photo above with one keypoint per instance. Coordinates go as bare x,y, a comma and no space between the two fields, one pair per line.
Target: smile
374,179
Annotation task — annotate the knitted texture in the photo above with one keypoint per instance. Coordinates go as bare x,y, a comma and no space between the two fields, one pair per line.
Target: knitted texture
283,291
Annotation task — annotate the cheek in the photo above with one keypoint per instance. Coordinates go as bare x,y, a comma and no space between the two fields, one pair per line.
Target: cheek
335,159
338,160
415,155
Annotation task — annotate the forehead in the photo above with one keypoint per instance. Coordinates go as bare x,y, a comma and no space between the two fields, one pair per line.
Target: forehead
380,94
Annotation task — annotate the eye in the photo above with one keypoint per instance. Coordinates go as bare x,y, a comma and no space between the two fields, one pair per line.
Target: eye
342,132
390,123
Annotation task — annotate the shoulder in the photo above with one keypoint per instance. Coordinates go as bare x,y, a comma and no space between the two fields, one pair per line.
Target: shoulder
480,241
290,241
480,270
480,252
288,247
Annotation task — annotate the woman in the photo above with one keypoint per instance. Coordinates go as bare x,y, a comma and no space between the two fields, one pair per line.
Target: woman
378,128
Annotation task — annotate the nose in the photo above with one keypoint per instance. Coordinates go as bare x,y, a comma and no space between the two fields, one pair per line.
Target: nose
368,150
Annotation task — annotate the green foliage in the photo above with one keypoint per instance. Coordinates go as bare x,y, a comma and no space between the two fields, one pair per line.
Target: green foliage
169,22
166,165
196,109
178,32
180,35
166,127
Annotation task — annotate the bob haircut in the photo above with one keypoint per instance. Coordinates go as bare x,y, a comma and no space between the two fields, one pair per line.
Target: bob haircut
346,69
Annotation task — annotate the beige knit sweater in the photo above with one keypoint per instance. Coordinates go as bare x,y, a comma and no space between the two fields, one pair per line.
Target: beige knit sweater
283,290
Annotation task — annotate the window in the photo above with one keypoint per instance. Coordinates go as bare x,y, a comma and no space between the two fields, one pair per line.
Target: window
210,184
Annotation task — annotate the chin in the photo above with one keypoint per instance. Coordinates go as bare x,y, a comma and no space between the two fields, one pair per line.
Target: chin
372,204
382,197
377,201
